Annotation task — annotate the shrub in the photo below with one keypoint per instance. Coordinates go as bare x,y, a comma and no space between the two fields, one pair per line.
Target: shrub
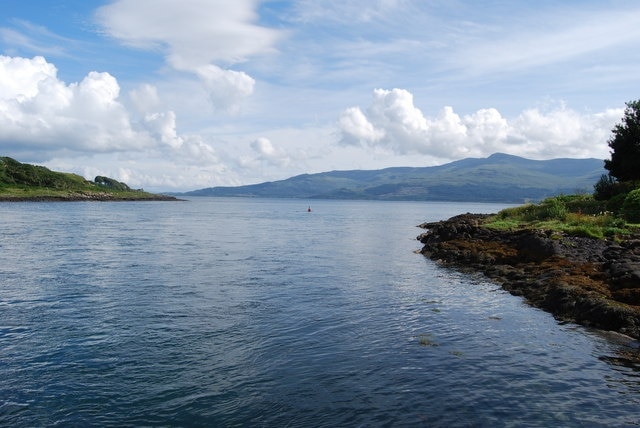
584,204
553,209
631,207
514,213
614,204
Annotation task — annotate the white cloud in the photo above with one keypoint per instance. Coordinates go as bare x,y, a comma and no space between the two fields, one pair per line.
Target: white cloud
163,126
356,127
191,32
40,39
226,88
548,37
39,111
197,36
145,98
346,11
269,153
45,119
90,128
392,122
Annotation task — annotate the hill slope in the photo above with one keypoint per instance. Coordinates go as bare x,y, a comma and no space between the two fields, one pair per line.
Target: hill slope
498,178
24,182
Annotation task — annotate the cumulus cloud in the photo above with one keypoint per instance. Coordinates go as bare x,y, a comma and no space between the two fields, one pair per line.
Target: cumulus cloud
40,112
226,88
144,98
393,123
163,126
267,152
356,127
44,119
197,36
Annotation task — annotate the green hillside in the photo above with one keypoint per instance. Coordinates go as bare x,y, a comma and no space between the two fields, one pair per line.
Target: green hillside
498,178
20,181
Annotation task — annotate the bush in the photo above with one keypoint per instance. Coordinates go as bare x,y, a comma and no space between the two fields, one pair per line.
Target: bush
631,207
614,204
583,204
552,209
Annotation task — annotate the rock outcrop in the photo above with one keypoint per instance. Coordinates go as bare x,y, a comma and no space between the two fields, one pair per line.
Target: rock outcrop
589,281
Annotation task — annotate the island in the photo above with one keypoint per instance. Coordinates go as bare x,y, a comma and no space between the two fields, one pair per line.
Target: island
24,182
580,267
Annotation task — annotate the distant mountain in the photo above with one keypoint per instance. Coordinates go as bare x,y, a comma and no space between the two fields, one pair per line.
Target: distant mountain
498,178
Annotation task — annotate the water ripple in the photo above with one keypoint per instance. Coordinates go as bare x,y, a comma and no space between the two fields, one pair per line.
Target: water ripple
253,313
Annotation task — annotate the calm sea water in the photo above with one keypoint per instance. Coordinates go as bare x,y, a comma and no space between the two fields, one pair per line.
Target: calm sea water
253,312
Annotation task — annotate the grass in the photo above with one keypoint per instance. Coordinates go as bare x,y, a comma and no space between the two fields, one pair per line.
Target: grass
19,181
28,192
578,215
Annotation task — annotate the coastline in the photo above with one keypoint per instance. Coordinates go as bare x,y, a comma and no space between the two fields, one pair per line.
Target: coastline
591,282
97,197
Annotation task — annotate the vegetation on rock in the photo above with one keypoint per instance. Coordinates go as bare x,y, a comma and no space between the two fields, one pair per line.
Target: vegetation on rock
578,215
593,282
613,211
20,181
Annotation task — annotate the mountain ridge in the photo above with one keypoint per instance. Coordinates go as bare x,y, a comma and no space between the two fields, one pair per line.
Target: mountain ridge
498,178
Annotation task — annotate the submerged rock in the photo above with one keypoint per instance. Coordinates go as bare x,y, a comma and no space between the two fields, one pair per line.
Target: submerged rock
589,281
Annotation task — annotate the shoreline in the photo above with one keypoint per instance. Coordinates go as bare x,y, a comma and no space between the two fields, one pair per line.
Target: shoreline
94,197
595,283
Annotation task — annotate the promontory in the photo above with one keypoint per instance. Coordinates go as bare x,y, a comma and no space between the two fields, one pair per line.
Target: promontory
590,280
25,182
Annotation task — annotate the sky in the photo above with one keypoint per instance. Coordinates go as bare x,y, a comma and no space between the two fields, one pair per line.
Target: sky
176,95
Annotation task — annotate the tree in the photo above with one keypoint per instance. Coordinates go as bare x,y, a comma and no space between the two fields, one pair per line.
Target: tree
631,206
624,164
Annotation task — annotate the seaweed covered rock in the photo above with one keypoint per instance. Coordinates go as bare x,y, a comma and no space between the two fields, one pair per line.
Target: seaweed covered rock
589,281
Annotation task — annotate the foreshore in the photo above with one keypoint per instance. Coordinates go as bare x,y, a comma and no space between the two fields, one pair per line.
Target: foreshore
98,197
588,281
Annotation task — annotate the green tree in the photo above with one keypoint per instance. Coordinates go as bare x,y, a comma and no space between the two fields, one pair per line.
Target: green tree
624,164
631,206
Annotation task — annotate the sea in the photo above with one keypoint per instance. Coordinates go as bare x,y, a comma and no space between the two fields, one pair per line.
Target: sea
234,312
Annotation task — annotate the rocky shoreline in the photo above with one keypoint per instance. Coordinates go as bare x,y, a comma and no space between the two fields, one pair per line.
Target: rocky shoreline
88,196
591,282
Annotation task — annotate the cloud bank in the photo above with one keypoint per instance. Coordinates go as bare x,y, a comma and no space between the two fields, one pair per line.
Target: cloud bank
42,118
393,124
92,128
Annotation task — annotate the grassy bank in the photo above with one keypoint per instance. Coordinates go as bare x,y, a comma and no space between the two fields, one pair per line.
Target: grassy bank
24,182
579,215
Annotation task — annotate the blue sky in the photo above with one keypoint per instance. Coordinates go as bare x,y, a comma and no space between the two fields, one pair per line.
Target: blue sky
180,95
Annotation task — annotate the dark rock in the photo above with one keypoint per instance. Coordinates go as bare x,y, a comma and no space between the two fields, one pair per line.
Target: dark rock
588,281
